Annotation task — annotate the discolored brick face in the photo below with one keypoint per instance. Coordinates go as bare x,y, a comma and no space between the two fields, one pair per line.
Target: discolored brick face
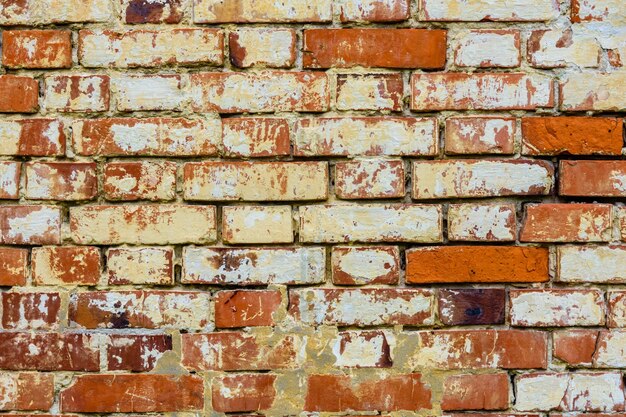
320,208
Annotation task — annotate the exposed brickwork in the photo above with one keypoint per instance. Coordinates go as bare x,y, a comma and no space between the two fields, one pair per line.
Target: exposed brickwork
322,208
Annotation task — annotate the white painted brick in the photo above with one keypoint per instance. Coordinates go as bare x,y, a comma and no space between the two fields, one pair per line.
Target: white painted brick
481,222
257,224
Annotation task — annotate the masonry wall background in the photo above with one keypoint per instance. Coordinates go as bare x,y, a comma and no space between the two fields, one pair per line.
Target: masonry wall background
322,207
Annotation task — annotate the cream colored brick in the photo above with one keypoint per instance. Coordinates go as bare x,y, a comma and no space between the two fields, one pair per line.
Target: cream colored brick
257,224
369,92
371,223
594,91
557,308
140,266
77,93
273,48
598,264
611,349
556,48
496,10
28,12
220,11
481,222
487,48
148,92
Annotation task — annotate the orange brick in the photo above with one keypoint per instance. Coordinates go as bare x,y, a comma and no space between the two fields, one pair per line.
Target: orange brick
37,48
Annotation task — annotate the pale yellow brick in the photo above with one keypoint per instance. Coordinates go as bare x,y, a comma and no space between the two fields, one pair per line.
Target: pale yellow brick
257,224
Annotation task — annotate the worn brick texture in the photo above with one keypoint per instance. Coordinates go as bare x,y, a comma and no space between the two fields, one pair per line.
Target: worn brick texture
313,208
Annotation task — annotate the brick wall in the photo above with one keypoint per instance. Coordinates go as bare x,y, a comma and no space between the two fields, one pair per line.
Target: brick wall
322,207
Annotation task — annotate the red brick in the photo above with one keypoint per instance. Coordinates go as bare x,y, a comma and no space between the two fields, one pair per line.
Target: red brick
258,11
147,11
567,223
37,48
49,352
374,10
140,266
155,136
30,225
266,92
365,265
370,92
480,91
272,48
572,136
77,93
369,179
30,310
238,351
61,265
246,308
465,264
255,137
65,181
481,349
388,48
476,392
14,266
339,393
132,393
248,392
473,306
480,135
137,353
33,137
19,94
140,309
593,178
10,180
575,347
130,181
16,391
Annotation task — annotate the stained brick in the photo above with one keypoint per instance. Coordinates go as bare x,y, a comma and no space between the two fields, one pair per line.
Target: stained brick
36,49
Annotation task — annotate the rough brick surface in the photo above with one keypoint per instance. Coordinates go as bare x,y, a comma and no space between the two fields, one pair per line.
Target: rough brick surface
322,208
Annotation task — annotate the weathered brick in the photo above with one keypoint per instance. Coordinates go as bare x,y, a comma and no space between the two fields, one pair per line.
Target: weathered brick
77,93
146,224
148,92
36,49
257,224
147,137
245,392
482,222
584,391
592,178
29,12
596,10
273,48
487,48
571,135
556,308
471,306
363,349
138,353
403,136
264,92
617,309
374,10
598,264
243,308
476,264
575,347
140,266
66,265
238,351
365,265
32,137
49,352
253,266
489,10
65,181
481,178
16,391
30,310
371,223
362,307
143,180
255,181
480,91
30,225
10,180
567,223
593,91
376,392
549,48
255,137
14,266
148,11
480,135
140,309
367,179
476,392
370,92
388,48
19,94
132,393
611,349
150,48
253,11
